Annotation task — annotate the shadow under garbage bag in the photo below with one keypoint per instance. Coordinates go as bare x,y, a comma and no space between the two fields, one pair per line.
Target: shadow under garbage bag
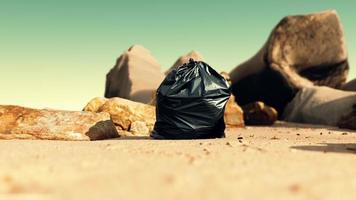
329,148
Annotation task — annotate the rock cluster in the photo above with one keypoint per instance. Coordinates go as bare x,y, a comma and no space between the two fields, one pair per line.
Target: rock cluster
302,51
130,118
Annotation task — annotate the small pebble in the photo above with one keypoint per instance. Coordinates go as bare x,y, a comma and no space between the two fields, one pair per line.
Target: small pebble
274,138
207,152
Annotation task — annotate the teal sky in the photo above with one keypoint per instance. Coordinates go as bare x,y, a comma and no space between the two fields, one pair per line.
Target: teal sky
56,53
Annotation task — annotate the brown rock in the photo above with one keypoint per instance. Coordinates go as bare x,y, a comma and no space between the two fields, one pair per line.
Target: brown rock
135,76
140,128
25,123
302,51
130,118
233,115
258,113
185,58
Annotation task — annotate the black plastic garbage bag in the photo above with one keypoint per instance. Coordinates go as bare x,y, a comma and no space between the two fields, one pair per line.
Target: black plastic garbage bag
191,103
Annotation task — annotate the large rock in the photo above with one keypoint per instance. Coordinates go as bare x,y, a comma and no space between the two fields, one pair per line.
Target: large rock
302,51
135,76
130,118
322,105
26,123
185,58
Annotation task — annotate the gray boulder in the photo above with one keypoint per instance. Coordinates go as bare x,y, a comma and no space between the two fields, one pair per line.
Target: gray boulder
323,105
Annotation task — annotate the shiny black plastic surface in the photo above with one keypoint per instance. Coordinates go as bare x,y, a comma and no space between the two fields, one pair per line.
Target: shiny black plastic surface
191,103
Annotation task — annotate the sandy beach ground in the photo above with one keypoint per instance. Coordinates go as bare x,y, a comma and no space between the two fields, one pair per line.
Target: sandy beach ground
287,161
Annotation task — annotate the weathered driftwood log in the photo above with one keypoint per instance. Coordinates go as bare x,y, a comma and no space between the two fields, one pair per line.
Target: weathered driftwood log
323,105
130,118
25,123
135,76
301,51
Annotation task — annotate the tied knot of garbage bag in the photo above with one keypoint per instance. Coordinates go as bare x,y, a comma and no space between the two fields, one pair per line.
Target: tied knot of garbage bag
191,102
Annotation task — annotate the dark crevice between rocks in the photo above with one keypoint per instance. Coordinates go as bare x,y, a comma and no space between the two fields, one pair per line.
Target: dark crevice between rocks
332,75
268,86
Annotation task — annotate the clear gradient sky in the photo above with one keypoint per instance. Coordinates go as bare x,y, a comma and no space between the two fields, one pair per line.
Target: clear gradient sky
56,53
